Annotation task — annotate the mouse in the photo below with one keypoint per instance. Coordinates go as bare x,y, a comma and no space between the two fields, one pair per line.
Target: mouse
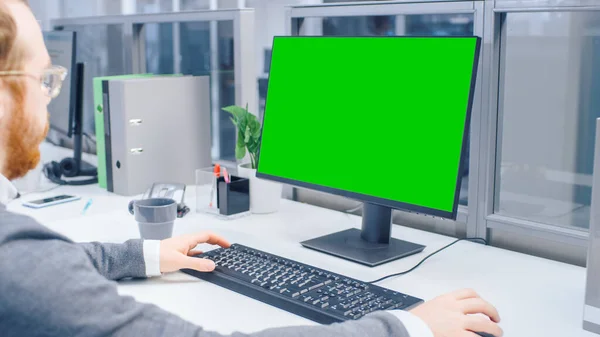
484,334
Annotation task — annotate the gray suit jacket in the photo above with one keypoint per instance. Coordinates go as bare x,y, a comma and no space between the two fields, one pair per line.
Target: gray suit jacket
50,286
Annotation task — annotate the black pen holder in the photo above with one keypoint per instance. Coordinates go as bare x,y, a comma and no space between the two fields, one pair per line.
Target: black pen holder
233,198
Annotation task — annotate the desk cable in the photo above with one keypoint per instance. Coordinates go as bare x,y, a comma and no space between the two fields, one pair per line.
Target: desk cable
19,194
480,240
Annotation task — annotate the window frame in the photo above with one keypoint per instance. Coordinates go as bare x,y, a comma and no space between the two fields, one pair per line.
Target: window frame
494,48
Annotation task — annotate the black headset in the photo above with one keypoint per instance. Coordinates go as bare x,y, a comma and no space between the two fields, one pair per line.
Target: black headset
69,168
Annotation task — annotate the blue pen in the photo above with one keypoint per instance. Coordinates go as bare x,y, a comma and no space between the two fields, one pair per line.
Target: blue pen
87,205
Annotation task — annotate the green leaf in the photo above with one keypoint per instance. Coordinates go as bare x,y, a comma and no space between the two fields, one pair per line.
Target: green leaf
236,111
240,138
247,134
256,133
249,131
255,129
253,148
240,152
242,124
240,148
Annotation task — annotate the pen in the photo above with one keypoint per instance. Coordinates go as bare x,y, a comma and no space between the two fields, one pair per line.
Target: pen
226,175
216,173
87,205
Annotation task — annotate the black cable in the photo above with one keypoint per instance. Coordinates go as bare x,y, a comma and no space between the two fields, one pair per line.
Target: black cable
65,134
484,241
20,195
59,130
52,142
351,210
41,191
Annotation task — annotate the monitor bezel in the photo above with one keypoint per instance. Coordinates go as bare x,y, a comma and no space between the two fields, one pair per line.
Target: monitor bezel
369,198
72,77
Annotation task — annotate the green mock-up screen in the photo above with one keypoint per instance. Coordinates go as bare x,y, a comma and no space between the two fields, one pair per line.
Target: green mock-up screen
380,117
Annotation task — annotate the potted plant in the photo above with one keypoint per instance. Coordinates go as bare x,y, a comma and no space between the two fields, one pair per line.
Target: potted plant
265,195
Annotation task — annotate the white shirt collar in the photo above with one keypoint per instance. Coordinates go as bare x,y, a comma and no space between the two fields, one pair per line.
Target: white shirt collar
8,191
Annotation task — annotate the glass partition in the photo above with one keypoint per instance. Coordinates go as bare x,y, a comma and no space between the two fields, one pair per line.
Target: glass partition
198,59
159,53
550,83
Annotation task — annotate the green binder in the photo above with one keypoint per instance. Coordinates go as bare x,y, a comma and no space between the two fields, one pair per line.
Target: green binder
99,120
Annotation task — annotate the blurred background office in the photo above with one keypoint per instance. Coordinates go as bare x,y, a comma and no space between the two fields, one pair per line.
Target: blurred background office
529,176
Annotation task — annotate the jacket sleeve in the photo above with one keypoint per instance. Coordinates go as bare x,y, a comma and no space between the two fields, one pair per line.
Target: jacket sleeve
116,261
52,288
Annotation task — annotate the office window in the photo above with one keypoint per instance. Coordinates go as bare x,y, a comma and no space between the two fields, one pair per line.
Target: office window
199,54
160,57
391,25
202,55
154,6
195,49
548,105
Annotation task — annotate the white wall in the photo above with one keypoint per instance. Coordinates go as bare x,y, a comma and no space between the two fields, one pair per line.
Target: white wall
79,8
45,11
224,4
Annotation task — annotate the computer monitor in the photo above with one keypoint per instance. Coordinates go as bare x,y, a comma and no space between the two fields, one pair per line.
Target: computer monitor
61,47
382,120
66,110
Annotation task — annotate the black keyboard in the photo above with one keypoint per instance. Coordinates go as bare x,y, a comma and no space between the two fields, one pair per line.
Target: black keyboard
307,291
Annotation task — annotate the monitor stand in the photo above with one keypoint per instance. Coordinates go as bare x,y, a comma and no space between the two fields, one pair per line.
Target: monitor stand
82,168
77,167
371,246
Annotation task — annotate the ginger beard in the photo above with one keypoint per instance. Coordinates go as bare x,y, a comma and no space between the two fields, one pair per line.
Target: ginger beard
24,135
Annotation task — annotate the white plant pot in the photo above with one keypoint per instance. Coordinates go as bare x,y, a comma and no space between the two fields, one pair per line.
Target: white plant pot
265,195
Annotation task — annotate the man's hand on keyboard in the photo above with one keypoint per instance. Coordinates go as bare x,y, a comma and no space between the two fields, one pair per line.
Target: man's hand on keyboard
177,253
458,314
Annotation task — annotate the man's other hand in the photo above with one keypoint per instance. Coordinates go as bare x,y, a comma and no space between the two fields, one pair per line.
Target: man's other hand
459,314
178,252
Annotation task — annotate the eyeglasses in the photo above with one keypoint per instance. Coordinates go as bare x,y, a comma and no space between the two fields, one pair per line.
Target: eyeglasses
51,79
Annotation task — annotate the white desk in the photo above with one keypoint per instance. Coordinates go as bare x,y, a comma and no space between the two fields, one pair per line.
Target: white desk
535,297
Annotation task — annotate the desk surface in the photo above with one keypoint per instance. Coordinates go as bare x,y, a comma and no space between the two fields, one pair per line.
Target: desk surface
535,296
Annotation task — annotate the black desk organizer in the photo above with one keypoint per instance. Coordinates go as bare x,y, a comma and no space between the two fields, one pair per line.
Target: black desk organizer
233,198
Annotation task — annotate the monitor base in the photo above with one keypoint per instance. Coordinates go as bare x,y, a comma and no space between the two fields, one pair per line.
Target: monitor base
87,170
350,245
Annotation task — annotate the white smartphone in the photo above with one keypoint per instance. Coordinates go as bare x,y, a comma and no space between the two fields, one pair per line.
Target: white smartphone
59,199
